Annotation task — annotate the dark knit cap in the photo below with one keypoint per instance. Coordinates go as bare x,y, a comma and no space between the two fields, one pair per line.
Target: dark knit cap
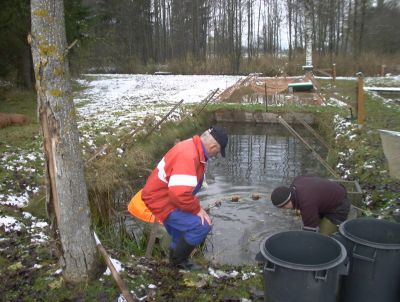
280,196
220,136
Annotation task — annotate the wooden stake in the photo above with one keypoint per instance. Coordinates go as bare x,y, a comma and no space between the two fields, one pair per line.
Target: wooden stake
120,283
266,98
152,240
334,73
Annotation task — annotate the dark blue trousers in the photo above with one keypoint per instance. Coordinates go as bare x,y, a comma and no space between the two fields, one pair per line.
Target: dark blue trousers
185,224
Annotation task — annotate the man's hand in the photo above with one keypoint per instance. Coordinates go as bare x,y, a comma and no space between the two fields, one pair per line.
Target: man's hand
204,216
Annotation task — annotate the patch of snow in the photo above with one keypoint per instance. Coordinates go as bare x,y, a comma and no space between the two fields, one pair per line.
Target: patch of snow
383,89
39,224
18,201
57,272
335,102
11,224
221,274
39,238
27,215
117,264
246,276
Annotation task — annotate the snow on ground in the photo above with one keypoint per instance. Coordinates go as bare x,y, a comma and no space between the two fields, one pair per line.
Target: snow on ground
382,89
10,224
332,101
117,101
391,100
387,81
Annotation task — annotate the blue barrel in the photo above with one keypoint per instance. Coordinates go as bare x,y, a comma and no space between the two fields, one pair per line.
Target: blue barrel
301,266
373,247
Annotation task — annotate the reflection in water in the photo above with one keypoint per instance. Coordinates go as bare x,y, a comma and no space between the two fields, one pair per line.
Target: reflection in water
258,159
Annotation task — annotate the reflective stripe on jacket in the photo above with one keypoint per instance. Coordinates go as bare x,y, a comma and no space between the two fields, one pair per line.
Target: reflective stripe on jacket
171,184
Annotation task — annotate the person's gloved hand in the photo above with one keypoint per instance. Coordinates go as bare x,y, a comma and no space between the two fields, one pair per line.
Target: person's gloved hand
204,216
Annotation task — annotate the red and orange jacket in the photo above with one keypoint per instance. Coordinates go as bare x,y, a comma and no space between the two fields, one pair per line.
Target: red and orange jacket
175,180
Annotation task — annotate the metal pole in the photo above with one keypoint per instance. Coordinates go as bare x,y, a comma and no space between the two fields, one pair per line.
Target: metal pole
319,158
309,128
164,118
206,101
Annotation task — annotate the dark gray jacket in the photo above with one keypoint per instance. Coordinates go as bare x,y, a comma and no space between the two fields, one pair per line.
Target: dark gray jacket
317,197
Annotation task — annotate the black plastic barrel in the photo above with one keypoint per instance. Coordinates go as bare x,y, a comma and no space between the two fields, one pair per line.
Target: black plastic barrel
301,266
373,247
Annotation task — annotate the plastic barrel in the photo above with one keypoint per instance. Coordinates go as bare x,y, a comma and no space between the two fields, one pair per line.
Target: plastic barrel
301,266
373,248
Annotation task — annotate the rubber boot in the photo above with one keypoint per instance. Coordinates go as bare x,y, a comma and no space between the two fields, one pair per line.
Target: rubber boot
181,255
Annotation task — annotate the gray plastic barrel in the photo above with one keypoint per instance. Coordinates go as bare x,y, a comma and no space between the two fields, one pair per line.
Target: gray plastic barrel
373,248
301,266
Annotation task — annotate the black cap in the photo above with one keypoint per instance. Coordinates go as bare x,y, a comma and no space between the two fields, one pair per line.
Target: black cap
280,196
220,136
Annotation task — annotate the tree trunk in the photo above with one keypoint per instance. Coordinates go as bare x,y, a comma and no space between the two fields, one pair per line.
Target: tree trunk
355,29
67,198
362,24
289,14
308,32
26,67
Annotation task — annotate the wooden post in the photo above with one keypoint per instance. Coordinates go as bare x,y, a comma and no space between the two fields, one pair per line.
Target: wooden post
120,283
266,98
383,66
360,99
334,73
151,240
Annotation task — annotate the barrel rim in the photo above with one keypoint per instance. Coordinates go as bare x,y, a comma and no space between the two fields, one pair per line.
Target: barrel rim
358,240
304,267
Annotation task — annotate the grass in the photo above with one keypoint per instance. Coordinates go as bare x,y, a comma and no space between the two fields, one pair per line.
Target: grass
366,161
24,102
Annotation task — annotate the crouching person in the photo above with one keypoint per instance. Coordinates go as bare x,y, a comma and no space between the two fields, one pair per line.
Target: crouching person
322,203
170,191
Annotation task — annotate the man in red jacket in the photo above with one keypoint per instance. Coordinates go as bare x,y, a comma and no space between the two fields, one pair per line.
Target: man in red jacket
170,192
322,203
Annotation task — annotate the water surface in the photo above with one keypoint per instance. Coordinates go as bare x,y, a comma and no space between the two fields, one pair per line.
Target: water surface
259,158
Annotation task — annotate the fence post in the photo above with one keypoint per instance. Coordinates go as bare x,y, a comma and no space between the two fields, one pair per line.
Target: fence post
360,99
266,98
383,66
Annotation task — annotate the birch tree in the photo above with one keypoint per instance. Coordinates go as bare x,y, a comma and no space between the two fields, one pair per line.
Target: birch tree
66,195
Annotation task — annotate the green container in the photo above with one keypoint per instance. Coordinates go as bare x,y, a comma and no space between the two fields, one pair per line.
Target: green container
302,86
